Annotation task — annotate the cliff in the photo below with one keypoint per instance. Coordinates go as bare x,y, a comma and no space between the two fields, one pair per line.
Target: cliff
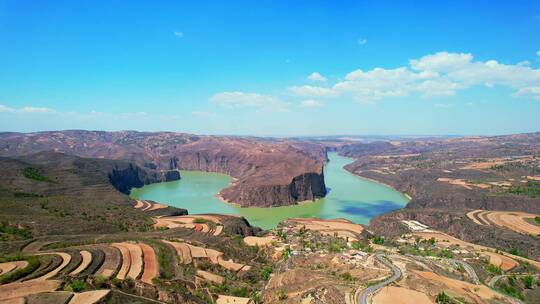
267,172
132,176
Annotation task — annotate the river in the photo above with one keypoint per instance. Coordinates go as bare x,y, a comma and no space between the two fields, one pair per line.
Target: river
351,197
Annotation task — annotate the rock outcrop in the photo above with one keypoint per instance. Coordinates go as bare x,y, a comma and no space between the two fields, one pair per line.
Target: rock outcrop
133,176
267,172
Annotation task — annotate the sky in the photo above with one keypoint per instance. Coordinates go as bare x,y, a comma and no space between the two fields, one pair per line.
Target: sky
271,68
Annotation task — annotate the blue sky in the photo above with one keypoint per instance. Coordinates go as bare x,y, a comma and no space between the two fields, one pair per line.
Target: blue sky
278,68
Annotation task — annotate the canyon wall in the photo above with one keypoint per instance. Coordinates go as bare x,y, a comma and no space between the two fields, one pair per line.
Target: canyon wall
132,176
267,172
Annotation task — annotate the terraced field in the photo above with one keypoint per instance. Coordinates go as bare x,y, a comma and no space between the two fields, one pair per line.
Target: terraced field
207,224
120,260
516,221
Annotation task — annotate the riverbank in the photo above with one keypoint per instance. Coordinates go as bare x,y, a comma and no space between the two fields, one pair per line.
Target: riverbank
351,197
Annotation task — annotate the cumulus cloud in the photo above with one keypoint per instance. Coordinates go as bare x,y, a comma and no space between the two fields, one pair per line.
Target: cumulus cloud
439,74
316,77
27,109
249,100
311,103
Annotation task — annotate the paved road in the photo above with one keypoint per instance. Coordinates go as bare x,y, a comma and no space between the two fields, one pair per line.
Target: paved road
470,271
396,274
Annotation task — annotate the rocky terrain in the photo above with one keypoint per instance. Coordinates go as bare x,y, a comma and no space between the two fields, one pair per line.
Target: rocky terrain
447,178
266,172
70,234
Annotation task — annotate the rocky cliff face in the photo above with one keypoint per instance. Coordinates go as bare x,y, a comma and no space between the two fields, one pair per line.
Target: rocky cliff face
133,176
308,186
268,172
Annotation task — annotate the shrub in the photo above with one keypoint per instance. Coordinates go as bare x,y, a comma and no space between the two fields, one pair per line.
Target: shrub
347,276
494,269
528,281
35,174
378,240
76,286
265,272
282,295
443,298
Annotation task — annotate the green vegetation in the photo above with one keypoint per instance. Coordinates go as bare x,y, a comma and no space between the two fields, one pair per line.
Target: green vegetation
493,269
378,240
9,233
532,189
443,298
266,272
515,251
537,220
199,220
528,281
510,290
282,236
446,254
33,264
35,174
282,295
347,276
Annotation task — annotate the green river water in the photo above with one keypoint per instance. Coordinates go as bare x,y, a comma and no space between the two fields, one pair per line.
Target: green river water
349,196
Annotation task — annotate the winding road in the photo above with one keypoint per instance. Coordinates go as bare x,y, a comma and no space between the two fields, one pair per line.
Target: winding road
396,274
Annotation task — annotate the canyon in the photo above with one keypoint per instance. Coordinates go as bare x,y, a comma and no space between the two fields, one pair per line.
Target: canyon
267,172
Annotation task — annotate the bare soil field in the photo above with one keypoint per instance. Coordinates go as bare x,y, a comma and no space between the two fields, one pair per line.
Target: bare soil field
111,263
126,260
66,258
516,221
21,289
504,262
210,277
88,297
86,260
477,293
187,252
232,300
135,253
400,295
259,241
10,266
341,227
150,264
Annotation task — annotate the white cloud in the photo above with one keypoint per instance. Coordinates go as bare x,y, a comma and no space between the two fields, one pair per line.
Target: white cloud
249,100
179,34
27,109
439,74
311,103
316,77
202,114
538,53
6,109
362,41
313,91
36,110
